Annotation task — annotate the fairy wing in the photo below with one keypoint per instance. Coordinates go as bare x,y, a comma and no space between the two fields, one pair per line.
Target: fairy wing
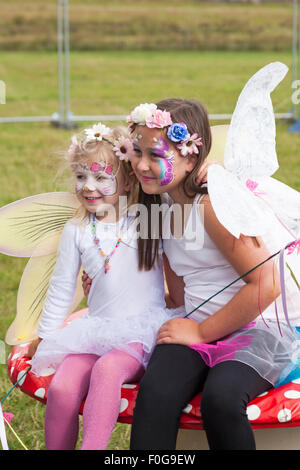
250,148
35,221
219,137
31,297
31,227
249,161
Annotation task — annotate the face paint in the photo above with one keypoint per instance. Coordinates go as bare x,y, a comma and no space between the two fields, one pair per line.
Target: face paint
166,171
137,137
98,177
161,146
166,163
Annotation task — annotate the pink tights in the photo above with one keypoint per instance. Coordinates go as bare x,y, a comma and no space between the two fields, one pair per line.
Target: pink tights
99,379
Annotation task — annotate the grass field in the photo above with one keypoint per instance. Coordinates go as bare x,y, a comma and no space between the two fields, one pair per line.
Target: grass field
105,83
148,25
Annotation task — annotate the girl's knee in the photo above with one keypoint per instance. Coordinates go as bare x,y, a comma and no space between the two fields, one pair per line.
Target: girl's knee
149,390
222,403
155,399
60,391
116,366
72,378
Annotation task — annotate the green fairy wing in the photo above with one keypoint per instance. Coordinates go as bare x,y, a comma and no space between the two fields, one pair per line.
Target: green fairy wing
31,297
35,221
31,227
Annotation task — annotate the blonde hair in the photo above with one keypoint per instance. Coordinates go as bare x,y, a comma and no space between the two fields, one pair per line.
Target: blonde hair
102,151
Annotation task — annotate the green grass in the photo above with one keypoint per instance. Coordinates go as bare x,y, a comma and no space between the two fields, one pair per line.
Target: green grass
148,25
111,82
105,83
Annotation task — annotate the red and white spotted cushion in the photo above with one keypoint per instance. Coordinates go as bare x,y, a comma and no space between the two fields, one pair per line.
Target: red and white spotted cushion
279,407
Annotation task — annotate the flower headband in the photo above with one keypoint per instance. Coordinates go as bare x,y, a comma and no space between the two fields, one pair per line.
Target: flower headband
148,115
122,146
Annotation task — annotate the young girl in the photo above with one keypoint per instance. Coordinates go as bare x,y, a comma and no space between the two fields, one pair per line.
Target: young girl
94,355
232,348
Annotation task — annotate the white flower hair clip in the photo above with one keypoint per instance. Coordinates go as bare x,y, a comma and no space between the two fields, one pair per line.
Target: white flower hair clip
97,132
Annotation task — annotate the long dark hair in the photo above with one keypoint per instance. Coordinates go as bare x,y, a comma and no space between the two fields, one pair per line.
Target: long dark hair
194,115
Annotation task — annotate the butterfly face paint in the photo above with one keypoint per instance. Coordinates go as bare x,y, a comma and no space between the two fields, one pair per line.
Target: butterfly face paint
166,162
98,177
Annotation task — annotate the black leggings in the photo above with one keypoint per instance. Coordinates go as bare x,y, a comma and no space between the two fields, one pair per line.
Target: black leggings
175,374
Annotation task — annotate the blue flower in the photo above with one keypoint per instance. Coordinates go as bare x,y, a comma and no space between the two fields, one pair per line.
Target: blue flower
178,132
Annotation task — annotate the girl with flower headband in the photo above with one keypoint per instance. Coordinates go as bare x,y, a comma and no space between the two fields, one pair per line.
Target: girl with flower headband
233,347
95,354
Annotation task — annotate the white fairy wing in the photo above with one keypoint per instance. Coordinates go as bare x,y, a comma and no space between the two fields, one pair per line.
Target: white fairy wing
249,161
250,148
31,297
235,206
35,221
284,200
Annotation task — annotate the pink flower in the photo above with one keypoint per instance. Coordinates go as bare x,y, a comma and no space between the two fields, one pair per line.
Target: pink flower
294,246
123,148
190,146
159,119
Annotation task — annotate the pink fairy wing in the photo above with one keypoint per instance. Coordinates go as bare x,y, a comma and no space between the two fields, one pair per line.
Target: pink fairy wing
31,296
35,221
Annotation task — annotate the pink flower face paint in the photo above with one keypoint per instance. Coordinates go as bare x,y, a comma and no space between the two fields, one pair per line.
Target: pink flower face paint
166,162
98,177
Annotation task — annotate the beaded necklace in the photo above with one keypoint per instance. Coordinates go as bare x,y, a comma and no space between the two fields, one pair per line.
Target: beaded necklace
97,242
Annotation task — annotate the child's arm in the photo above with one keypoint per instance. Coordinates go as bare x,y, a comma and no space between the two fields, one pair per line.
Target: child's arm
175,295
243,254
33,347
86,284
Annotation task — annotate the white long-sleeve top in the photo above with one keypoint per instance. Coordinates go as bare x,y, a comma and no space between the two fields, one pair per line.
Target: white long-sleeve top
123,291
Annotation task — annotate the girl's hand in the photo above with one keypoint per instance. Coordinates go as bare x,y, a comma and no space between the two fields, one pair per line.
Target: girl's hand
179,331
202,174
33,347
86,284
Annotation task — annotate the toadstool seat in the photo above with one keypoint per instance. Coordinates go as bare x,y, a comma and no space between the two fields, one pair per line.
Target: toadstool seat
274,415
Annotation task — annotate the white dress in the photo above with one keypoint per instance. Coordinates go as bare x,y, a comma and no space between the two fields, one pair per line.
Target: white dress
125,305
274,353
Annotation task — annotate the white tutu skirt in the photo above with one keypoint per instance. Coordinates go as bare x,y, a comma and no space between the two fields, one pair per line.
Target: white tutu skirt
274,355
98,335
